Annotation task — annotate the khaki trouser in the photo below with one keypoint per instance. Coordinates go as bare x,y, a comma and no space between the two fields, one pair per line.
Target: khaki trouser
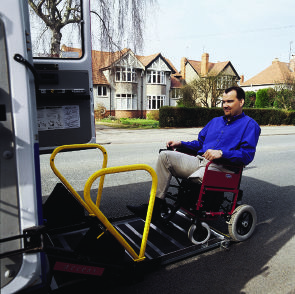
173,163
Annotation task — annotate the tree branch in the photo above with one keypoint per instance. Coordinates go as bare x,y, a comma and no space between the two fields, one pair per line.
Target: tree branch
106,30
66,15
39,6
38,10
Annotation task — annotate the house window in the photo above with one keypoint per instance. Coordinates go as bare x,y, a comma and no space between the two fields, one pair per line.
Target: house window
156,77
175,93
126,102
225,81
125,74
155,102
101,91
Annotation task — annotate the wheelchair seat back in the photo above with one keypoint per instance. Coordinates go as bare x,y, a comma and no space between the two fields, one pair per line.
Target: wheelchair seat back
222,180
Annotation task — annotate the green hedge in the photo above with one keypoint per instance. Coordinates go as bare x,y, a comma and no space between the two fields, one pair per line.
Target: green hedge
290,119
262,99
198,116
187,116
267,116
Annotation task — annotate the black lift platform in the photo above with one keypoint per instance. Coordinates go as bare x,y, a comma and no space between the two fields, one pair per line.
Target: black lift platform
75,253
95,246
168,243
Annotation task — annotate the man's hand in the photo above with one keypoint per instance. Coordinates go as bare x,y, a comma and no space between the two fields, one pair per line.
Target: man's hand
211,154
173,144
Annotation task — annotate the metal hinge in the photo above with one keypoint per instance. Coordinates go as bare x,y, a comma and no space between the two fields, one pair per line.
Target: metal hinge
33,241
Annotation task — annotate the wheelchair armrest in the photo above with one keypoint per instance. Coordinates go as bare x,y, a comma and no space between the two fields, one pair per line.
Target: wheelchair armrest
182,150
225,161
187,151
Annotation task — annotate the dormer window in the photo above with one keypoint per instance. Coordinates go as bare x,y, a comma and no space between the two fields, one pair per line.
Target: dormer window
125,74
156,77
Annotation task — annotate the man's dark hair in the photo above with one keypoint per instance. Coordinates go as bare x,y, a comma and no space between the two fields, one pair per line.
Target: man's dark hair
240,92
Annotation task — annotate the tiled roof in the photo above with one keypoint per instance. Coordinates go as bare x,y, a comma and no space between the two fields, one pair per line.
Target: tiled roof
213,68
102,60
146,60
176,81
65,48
217,67
196,65
99,78
277,72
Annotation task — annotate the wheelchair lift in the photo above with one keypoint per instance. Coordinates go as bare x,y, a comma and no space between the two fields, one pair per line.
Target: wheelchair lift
95,246
89,246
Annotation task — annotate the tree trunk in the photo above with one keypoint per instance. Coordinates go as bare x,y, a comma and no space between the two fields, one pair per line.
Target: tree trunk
55,43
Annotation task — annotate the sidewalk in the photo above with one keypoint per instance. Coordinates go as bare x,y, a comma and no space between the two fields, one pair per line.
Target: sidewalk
109,135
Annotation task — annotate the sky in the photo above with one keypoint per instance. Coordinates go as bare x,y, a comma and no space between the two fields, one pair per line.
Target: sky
250,34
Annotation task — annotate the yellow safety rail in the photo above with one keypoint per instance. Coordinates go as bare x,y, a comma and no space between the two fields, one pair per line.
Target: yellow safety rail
66,183
95,208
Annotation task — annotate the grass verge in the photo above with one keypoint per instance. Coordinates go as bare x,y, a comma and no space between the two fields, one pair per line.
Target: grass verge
129,123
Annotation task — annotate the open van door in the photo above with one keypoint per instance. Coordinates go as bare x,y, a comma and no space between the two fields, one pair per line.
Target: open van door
20,196
65,112
45,101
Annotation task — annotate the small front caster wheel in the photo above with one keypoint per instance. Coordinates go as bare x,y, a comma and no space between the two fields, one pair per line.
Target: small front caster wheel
242,223
200,235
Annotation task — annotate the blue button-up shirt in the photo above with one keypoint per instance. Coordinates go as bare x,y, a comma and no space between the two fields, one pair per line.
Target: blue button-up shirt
237,138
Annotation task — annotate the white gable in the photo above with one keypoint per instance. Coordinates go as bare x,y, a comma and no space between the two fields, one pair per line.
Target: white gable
129,60
159,65
190,73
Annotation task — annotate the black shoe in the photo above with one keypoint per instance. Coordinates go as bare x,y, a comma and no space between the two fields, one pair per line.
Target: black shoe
141,210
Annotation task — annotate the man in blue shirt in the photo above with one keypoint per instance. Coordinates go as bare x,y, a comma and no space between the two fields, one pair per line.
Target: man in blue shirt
233,136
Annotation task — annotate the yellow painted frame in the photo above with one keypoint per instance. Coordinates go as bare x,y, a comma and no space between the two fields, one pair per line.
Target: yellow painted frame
63,179
93,208
104,220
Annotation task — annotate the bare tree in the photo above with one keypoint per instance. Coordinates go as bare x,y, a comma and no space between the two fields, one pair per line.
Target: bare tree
119,21
56,14
208,89
285,93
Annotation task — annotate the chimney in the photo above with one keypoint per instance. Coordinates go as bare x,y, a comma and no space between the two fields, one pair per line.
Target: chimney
204,64
275,60
182,66
242,79
292,63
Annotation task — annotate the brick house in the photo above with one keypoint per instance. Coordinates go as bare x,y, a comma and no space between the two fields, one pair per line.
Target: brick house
277,73
129,85
192,69
177,82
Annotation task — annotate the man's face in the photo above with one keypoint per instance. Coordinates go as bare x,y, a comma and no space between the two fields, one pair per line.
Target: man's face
232,106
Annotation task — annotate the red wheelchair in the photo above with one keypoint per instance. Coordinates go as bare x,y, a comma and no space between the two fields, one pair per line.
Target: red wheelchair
218,197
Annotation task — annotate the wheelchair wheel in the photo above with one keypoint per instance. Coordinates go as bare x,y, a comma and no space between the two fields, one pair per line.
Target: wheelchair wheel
242,223
200,235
